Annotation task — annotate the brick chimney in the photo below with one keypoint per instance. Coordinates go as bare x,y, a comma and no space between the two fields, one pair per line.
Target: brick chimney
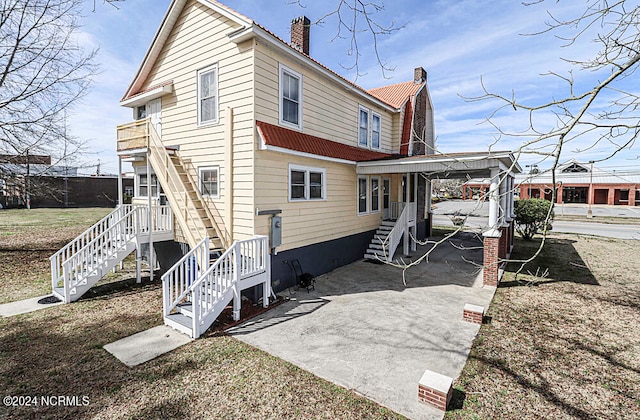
300,29
419,75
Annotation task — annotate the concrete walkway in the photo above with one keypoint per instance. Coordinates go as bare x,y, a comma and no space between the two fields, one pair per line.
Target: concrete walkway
146,345
363,329
27,305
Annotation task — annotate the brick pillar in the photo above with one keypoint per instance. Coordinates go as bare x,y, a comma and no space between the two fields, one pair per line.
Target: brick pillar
513,233
502,246
429,224
491,260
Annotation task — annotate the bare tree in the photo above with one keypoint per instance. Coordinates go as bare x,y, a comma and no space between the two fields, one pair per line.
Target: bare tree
355,19
43,72
606,114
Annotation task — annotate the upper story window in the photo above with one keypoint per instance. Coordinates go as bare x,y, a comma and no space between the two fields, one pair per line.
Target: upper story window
290,97
208,95
376,123
369,128
209,181
363,127
141,112
307,183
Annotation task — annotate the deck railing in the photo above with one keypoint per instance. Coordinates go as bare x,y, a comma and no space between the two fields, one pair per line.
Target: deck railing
406,219
133,135
209,290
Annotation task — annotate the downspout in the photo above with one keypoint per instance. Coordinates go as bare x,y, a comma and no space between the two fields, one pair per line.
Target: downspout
228,135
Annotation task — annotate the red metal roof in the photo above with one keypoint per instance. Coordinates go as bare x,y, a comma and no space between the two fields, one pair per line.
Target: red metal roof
396,95
276,136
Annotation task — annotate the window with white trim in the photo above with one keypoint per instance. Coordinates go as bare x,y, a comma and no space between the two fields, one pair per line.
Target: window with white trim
209,181
208,95
143,185
290,97
375,194
376,124
363,127
306,183
363,194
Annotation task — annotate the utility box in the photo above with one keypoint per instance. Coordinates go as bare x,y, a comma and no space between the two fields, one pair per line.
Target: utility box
276,231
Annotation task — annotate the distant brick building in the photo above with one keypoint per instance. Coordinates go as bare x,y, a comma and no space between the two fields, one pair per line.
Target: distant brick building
574,183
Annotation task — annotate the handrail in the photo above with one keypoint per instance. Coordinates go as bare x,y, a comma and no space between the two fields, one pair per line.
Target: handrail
177,280
242,260
167,172
216,218
104,245
400,228
81,240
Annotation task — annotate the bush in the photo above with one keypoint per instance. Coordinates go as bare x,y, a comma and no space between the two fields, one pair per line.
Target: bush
531,217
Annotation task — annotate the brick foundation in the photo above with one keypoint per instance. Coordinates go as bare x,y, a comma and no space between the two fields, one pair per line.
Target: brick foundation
435,389
491,261
473,313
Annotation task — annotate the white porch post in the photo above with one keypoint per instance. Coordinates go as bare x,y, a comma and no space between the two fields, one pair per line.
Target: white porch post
493,200
414,245
405,242
512,206
120,198
149,218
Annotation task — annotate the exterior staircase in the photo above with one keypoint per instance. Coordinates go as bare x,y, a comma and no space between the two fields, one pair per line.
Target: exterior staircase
387,238
88,258
196,218
379,246
195,292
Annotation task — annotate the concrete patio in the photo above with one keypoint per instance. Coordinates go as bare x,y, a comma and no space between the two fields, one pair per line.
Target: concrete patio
363,329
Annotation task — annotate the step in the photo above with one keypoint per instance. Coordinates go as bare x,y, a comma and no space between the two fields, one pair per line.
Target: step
378,246
386,228
374,257
179,322
388,223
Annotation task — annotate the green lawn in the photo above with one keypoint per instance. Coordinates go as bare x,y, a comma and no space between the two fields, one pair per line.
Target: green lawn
58,352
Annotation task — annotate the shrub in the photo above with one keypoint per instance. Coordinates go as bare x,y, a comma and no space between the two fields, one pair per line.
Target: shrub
531,217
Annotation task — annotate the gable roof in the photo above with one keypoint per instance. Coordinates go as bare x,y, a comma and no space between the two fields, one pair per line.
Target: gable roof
397,94
284,138
248,28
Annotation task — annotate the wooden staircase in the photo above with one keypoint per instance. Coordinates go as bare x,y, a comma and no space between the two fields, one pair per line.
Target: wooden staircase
195,293
89,257
379,246
196,218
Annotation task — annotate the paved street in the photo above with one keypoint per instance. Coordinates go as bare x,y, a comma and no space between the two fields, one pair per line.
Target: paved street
478,218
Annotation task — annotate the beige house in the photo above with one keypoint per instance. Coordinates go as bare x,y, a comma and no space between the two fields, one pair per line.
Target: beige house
244,145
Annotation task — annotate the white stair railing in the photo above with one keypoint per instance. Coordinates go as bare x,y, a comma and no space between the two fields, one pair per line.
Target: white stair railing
82,240
177,281
404,221
89,259
80,258
246,263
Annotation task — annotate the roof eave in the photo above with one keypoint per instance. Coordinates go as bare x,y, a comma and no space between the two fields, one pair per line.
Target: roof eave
256,31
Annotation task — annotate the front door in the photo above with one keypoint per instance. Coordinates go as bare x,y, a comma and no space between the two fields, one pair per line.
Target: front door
386,197
154,109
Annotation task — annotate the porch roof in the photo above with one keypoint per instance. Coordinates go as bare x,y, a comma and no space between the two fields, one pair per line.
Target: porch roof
450,165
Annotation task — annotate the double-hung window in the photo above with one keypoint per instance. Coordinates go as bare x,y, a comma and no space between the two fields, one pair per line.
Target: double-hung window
363,127
369,128
208,95
363,195
307,183
290,97
375,131
375,194
209,181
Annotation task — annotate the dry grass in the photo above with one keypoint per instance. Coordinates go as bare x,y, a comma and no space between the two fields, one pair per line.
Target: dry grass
564,346
28,238
58,351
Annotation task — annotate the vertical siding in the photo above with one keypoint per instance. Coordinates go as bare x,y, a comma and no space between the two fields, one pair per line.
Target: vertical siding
329,111
199,39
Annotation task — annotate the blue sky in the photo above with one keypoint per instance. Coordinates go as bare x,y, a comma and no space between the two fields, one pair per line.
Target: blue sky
458,43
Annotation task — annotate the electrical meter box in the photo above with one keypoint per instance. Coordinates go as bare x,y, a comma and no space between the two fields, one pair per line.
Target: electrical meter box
276,231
